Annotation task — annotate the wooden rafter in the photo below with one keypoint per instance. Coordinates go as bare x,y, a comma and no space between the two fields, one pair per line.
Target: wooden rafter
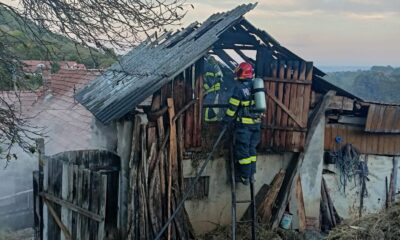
244,56
225,57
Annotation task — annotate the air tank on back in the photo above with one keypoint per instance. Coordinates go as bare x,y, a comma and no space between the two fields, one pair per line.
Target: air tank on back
259,95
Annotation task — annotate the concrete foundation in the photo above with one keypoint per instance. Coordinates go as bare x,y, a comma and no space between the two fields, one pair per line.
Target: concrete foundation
207,214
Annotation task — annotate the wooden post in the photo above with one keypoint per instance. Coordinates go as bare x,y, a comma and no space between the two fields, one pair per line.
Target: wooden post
124,134
330,203
41,162
64,196
387,193
325,207
37,208
300,204
172,156
102,204
43,184
279,135
133,165
394,174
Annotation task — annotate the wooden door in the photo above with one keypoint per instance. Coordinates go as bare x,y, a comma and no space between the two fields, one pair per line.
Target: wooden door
288,89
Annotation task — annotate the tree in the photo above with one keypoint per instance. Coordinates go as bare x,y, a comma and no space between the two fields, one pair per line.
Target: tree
98,25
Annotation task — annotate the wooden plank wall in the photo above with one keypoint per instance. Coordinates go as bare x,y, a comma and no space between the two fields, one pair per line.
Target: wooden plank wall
290,83
158,146
367,143
193,79
383,119
80,196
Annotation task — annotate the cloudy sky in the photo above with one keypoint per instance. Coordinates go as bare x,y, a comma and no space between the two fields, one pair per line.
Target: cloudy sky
328,32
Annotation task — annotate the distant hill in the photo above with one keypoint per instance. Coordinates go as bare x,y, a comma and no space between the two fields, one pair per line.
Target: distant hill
61,48
379,83
329,69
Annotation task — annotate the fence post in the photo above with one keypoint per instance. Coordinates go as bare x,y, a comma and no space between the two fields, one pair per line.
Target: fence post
43,185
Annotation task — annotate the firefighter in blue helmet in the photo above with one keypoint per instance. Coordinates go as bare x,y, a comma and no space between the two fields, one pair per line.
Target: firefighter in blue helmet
247,123
212,86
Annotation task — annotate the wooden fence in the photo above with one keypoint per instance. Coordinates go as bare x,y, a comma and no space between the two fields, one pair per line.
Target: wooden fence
79,193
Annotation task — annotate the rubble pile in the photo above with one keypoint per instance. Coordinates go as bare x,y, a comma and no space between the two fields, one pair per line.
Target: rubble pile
383,225
243,232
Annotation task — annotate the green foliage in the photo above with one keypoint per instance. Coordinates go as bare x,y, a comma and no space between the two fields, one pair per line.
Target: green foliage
33,81
44,45
55,67
380,83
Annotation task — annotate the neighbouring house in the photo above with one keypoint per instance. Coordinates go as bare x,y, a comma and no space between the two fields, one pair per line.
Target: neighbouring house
151,102
32,66
64,124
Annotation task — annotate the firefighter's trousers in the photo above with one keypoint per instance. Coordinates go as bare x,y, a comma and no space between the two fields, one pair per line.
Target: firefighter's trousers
247,137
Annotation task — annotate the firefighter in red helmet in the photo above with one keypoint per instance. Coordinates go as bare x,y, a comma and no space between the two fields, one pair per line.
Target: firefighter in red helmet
247,123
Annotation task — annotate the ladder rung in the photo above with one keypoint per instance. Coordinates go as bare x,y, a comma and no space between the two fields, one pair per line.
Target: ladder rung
246,221
243,201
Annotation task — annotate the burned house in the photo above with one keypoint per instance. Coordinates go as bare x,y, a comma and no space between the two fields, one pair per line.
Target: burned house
152,102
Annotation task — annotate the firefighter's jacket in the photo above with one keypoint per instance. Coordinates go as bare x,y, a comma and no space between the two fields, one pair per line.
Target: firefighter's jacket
241,105
212,78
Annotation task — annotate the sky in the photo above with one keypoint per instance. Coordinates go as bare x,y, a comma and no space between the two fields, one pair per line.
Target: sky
328,32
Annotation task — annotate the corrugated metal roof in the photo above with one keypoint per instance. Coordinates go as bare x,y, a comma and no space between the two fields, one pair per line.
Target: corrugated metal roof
152,64
383,119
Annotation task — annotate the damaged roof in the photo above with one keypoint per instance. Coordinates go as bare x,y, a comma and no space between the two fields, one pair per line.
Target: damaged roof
152,64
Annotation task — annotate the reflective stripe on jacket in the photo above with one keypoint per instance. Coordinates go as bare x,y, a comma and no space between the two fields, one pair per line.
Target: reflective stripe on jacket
241,103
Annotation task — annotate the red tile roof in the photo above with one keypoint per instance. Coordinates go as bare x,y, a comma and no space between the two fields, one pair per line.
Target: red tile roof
66,123
34,65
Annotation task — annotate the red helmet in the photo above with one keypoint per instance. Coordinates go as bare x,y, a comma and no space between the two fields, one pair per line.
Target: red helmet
244,71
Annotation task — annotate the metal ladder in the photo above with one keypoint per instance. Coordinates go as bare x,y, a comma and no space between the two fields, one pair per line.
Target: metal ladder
235,201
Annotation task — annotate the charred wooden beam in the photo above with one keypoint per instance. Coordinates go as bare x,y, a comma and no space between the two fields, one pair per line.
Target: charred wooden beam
244,56
296,129
230,62
275,45
238,37
234,46
269,79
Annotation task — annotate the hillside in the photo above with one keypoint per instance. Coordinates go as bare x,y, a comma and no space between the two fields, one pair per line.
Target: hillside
53,47
380,83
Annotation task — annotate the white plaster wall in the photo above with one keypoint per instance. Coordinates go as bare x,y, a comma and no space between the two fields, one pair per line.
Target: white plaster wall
348,204
207,214
104,136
